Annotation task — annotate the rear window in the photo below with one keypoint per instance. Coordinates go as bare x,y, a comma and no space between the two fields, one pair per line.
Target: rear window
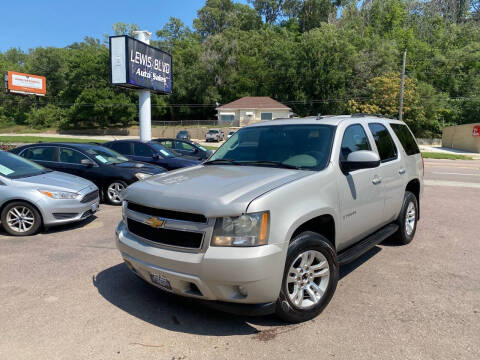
406,138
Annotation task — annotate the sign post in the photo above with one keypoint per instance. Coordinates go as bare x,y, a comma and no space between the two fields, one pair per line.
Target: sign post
137,65
144,101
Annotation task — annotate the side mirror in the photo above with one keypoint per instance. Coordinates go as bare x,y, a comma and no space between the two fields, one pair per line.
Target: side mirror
87,162
209,153
362,159
195,150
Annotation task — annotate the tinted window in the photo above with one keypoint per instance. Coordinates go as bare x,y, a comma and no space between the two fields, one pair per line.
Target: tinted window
105,155
121,147
385,145
40,153
303,146
354,139
184,146
406,138
167,144
71,156
142,150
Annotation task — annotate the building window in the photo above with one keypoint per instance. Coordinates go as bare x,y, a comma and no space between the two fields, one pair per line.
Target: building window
266,116
227,118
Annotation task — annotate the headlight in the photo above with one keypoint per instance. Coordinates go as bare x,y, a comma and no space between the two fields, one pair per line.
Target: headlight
141,176
60,194
244,230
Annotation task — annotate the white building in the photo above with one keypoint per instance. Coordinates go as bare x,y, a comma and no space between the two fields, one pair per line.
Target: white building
251,109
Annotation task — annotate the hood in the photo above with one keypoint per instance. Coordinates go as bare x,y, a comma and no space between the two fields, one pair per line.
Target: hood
211,190
138,166
56,180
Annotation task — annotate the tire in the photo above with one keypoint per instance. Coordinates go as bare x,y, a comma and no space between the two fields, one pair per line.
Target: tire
112,192
289,306
20,218
407,220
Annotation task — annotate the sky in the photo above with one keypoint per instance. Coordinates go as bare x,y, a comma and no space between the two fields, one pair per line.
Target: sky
27,24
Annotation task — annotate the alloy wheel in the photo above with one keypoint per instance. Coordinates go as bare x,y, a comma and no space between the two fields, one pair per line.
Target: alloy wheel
410,219
114,191
20,219
308,279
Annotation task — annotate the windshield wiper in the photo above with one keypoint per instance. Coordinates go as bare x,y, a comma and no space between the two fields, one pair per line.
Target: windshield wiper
273,163
222,161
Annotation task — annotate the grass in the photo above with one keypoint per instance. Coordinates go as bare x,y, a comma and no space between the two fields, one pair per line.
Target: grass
37,139
439,155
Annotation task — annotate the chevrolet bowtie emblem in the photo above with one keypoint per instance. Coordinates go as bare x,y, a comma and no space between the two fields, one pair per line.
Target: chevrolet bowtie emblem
155,222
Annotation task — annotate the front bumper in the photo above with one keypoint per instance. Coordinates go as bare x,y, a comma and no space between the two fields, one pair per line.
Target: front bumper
58,212
234,275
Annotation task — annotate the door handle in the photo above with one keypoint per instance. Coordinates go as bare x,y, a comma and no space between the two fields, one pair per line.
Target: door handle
401,171
376,180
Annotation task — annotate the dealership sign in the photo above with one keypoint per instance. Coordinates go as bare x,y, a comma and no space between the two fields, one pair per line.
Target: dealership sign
26,84
136,65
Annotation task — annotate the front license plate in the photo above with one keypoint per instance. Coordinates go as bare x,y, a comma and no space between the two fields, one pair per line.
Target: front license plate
94,207
161,281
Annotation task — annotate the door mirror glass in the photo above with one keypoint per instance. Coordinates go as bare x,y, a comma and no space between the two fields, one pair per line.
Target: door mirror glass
362,159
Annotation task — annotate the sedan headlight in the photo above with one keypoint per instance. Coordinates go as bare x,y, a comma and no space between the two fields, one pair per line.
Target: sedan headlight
60,194
141,176
244,230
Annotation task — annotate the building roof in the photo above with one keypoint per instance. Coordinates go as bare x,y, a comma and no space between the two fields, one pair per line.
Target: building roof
254,102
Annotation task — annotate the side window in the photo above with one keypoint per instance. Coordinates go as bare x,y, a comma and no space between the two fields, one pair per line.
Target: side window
385,145
121,147
142,150
71,156
354,139
406,138
185,146
168,144
40,154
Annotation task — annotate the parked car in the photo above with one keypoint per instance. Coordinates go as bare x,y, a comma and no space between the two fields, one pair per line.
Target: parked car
264,224
186,148
183,135
107,169
32,196
214,135
230,133
151,152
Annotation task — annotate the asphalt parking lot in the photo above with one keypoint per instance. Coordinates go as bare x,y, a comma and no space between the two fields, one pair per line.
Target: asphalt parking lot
65,294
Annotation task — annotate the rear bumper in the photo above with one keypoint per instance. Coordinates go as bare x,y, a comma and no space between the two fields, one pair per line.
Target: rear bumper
232,275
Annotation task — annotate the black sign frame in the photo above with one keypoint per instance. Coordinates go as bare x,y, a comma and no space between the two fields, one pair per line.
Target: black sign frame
127,83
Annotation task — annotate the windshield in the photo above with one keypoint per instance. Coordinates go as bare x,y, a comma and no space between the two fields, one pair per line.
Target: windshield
212,132
166,153
106,156
16,167
297,146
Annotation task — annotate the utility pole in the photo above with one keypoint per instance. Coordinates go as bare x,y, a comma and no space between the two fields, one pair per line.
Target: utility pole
144,101
402,85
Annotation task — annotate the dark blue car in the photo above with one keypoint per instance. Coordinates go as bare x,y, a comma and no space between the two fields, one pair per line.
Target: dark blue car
150,152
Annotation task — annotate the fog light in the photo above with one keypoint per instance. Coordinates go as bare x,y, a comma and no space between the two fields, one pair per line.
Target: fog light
242,291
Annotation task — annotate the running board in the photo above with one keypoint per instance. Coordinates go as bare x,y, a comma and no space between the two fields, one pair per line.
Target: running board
366,244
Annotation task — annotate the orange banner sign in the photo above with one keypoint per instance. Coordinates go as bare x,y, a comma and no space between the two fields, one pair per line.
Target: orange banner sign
26,83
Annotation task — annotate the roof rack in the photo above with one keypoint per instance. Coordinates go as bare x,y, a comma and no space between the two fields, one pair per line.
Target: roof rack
376,115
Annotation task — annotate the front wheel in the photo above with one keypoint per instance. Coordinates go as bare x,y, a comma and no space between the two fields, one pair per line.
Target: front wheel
113,192
19,218
310,278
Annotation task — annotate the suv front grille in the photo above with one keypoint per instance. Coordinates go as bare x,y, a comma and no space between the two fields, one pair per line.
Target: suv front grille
90,197
186,239
167,214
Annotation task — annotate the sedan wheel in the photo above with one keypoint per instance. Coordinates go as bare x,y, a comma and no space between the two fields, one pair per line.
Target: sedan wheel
21,219
113,192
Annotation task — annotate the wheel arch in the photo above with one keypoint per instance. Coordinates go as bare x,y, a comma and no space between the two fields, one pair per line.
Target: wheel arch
321,224
9,201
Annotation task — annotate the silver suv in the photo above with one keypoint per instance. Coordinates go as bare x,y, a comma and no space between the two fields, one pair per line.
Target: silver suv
265,223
